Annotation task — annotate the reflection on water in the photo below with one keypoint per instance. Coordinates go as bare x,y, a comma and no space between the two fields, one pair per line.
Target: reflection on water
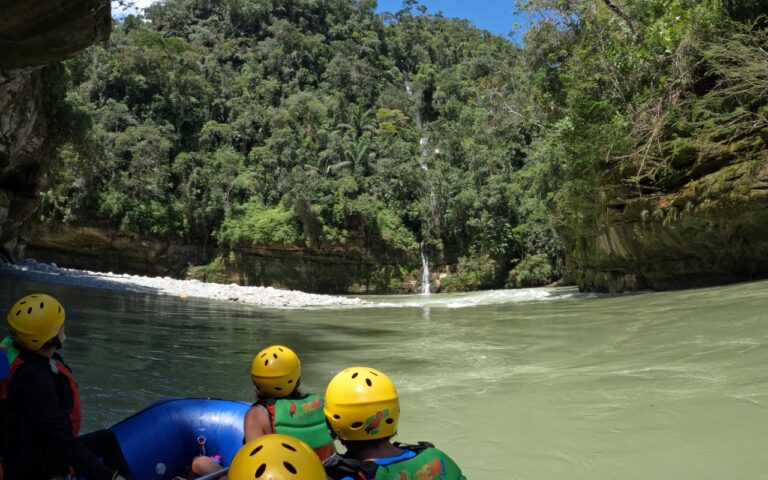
527,384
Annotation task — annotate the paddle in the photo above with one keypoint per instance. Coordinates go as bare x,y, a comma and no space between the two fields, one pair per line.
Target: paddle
211,476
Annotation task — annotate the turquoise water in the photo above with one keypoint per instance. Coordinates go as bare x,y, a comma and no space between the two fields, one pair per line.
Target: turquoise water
530,384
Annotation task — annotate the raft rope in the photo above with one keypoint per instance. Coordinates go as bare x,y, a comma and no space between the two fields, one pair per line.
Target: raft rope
201,441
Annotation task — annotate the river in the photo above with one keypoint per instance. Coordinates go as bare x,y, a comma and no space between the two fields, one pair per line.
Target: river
527,384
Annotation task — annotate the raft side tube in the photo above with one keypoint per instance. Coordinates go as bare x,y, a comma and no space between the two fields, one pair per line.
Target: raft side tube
160,441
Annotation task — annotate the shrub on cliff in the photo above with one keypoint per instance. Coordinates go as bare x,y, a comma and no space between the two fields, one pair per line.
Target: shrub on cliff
256,224
472,273
533,271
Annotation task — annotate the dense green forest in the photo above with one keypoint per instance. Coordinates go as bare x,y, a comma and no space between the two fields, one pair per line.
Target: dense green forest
323,125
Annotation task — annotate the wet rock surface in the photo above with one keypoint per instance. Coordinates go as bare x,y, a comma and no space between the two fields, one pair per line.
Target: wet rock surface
32,35
712,231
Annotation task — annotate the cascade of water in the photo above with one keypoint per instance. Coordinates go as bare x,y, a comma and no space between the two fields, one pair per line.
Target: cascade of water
423,145
424,269
407,82
409,91
423,154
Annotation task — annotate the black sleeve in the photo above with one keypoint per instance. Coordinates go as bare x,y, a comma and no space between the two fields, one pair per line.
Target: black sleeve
338,467
104,444
85,463
48,417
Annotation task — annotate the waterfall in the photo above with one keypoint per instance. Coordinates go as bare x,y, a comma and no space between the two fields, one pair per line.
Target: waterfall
407,82
423,155
424,269
424,140
423,146
409,91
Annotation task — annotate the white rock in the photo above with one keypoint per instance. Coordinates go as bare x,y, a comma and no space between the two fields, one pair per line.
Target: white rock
254,295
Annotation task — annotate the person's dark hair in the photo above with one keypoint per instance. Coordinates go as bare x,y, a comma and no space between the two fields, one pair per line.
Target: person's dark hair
296,393
55,342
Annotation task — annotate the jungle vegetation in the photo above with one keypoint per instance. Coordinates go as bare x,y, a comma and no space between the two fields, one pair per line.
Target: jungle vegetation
322,124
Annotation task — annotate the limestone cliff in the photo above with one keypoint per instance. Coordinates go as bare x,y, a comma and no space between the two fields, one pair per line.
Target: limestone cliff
93,248
712,229
34,34
325,270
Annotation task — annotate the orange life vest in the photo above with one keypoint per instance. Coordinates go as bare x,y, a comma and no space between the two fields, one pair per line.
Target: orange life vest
75,416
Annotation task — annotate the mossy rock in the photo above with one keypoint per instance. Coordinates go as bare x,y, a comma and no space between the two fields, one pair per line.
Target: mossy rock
764,135
682,153
47,31
214,272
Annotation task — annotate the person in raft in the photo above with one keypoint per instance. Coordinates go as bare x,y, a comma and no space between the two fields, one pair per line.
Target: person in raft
40,401
276,457
280,406
363,409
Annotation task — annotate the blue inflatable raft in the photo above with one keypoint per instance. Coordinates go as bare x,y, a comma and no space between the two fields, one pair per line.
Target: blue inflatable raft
160,441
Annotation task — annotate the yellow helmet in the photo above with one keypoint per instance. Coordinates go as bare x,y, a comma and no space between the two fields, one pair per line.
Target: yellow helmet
276,371
361,403
35,319
276,457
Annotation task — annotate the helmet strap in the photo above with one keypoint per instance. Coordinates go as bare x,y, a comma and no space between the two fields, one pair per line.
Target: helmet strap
331,431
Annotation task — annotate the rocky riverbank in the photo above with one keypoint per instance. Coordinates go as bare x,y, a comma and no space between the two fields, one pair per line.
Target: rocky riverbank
262,296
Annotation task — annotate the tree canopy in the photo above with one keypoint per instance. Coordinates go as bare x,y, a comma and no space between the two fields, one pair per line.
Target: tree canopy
321,124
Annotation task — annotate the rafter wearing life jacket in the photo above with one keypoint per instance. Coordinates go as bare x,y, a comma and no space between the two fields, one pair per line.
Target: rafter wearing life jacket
422,461
16,359
301,418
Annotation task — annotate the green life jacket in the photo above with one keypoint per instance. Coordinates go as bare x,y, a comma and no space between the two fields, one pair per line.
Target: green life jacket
10,352
301,418
429,463
10,349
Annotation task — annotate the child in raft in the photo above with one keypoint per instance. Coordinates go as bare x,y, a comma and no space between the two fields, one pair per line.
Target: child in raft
363,409
280,407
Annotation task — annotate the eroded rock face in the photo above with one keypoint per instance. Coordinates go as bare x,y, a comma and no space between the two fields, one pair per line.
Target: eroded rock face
92,248
41,32
290,268
107,250
23,151
34,34
714,230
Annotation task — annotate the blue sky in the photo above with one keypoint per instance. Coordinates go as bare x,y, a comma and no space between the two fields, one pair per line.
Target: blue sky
496,16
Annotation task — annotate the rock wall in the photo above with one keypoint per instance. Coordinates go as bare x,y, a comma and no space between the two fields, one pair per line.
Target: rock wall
107,250
104,250
305,270
713,230
24,150
34,34
41,32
